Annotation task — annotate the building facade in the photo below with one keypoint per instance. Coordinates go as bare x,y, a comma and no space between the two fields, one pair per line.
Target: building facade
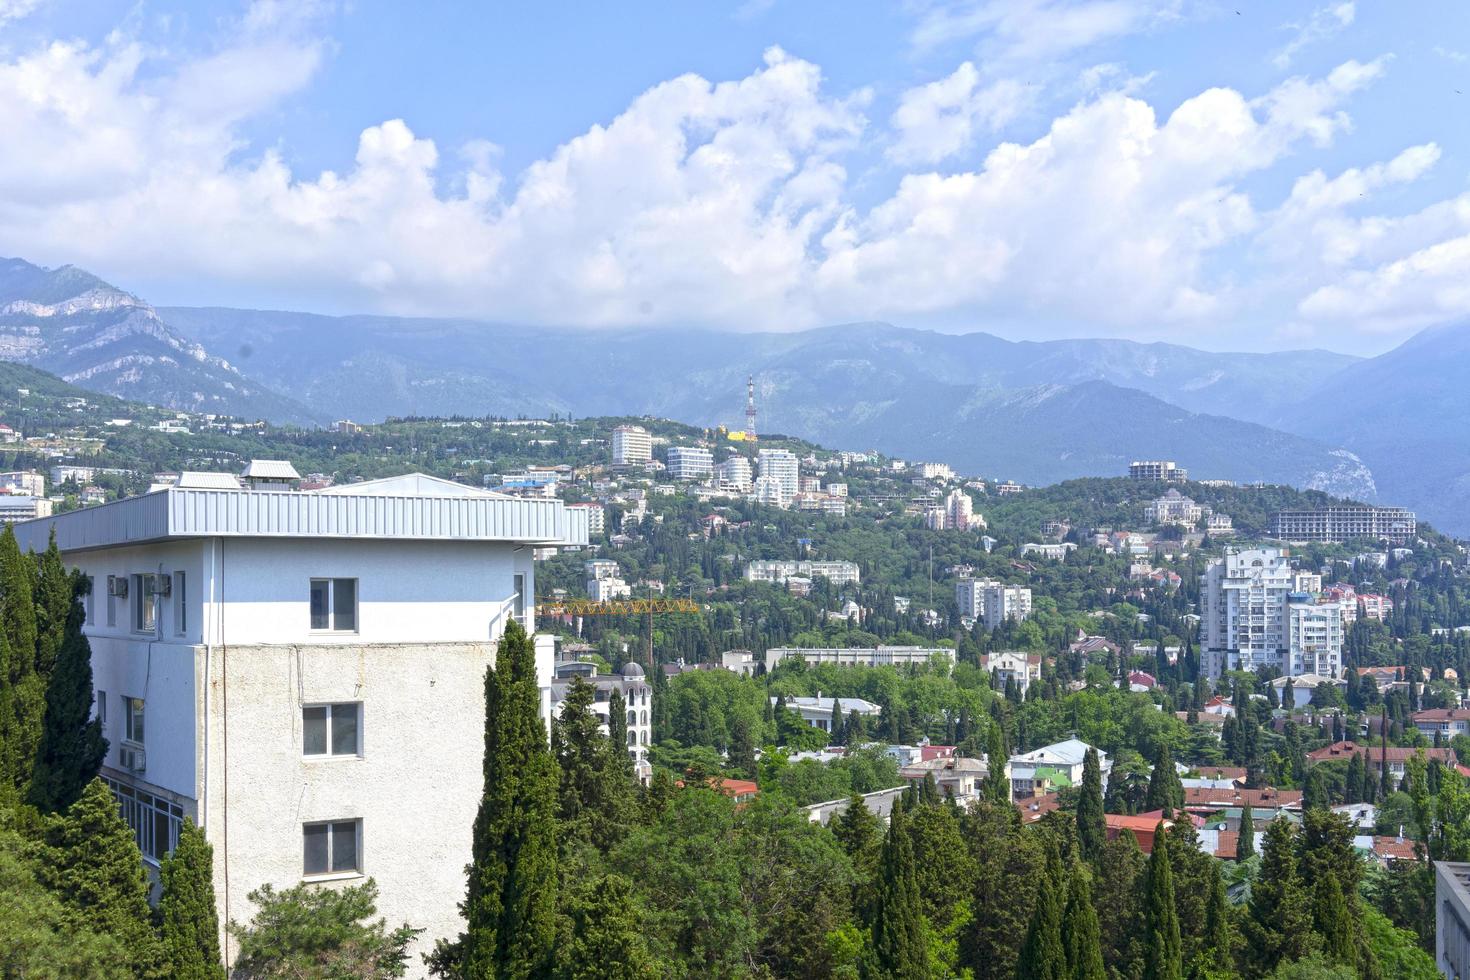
1252,618
631,445
781,466
632,684
1342,522
301,672
883,656
691,463
1452,918
1157,470
778,571
1173,508
734,474
992,602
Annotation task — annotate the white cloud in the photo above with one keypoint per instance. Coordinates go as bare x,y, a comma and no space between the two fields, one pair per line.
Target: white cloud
720,203
1323,24
1015,31
942,118
16,9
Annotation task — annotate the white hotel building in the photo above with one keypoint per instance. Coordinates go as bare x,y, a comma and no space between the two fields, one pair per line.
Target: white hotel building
1253,618
302,673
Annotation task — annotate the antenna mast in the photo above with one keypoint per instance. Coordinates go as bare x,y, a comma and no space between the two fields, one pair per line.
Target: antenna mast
750,408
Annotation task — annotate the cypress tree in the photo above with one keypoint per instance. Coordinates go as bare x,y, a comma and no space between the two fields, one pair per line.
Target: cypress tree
1163,952
997,784
1215,955
1353,788
834,724
26,689
1279,923
1245,842
1092,831
617,729
55,592
606,941
1083,935
900,946
1333,921
594,797
188,924
1043,956
72,746
91,861
742,747
1165,791
510,905
859,832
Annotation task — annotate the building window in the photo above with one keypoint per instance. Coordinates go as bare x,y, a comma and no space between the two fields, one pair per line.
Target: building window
89,601
145,603
155,821
519,605
102,709
334,604
331,729
331,848
181,605
132,720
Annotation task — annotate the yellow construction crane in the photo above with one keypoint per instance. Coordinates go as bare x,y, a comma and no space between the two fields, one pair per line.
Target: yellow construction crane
617,607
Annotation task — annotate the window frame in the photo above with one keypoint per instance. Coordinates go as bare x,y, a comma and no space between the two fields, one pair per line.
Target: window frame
180,598
332,828
331,605
330,721
143,584
134,709
99,702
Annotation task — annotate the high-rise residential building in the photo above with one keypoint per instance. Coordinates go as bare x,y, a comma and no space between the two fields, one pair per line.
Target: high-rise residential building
1343,522
734,474
631,445
1252,618
691,463
301,673
596,516
1158,470
992,602
769,491
959,512
781,465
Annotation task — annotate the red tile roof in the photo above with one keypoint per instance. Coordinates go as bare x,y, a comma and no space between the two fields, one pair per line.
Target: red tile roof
1377,753
1200,798
1394,848
1442,714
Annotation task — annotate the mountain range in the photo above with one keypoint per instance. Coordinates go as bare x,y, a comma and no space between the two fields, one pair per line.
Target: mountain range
1393,428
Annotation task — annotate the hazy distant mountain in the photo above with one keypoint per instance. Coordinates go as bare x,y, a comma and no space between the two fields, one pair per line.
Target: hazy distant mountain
1407,413
72,324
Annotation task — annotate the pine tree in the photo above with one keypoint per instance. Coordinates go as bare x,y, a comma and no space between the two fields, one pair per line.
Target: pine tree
1163,952
606,941
188,924
900,944
24,700
1245,841
72,746
1043,956
92,862
1083,935
510,906
1092,831
1165,791
997,784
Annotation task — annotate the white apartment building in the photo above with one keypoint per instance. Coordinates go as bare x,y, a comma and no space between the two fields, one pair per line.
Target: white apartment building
959,512
1252,618
23,507
883,656
935,471
637,702
631,445
1012,665
782,466
777,571
1159,470
302,674
734,474
992,602
769,492
1342,522
596,516
1059,764
1173,508
27,482
691,463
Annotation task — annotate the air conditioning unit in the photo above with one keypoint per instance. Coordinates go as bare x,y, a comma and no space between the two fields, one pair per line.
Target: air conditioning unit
163,585
132,758
117,585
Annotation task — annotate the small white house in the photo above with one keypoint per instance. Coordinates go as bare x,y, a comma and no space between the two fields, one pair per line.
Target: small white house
302,672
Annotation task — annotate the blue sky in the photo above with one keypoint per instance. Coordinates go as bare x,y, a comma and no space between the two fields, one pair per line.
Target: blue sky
1230,175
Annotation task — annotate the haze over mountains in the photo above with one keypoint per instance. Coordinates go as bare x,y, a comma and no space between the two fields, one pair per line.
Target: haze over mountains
1394,428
